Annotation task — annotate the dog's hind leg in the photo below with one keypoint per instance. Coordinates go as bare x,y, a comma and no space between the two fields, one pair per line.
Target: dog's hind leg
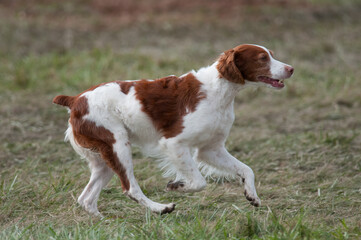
115,151
131,188
119,159
221,159
100,176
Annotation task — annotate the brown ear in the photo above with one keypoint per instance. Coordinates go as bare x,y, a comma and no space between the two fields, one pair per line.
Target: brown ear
227,67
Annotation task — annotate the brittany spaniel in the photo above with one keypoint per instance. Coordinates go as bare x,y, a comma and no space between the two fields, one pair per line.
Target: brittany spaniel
183,121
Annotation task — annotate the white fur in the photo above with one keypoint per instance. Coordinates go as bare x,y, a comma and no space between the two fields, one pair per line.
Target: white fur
278,69
200,144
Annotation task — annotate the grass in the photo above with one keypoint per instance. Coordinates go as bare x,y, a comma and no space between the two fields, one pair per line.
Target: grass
303,143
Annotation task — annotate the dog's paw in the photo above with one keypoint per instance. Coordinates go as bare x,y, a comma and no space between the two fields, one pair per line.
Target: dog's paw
175,186
252,198
168,209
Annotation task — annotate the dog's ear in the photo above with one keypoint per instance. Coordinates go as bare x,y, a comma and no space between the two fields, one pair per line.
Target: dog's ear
227,67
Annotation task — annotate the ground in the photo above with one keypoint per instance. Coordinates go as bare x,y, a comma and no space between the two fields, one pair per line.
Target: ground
303,142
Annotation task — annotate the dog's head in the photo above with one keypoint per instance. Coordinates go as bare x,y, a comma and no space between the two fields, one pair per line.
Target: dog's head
253,64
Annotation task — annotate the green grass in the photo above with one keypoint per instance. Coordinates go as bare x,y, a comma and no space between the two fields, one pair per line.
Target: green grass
303,142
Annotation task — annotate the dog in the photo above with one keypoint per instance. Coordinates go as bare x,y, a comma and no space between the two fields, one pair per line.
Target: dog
183,121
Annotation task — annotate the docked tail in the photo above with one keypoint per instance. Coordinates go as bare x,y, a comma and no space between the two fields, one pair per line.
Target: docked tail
63,100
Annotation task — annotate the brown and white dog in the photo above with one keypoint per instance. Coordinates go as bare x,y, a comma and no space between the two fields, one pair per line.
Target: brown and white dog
184,121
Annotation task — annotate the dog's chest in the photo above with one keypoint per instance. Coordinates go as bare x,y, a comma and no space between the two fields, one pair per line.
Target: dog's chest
208,125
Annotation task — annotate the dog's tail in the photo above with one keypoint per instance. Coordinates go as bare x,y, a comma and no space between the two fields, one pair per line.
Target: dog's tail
66,101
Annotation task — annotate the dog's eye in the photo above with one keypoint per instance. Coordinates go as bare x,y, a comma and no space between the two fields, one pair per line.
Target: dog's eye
263,57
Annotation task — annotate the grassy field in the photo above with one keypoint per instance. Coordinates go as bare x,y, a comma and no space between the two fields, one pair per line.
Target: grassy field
303,143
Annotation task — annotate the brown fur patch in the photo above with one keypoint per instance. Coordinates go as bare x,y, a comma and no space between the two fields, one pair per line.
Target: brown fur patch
228,69
244,62
125,86
97,138
167,100
66,101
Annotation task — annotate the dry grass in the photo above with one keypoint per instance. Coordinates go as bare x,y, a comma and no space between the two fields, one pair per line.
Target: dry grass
303,142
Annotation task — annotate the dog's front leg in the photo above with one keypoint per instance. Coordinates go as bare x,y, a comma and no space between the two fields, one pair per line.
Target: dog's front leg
220,158
180,161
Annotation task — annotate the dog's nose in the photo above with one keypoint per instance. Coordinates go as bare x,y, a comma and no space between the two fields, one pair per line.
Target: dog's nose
289,69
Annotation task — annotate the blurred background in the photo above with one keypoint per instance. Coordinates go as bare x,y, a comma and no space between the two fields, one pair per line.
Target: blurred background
303,142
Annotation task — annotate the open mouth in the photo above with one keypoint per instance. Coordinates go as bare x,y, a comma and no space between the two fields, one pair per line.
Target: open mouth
277,83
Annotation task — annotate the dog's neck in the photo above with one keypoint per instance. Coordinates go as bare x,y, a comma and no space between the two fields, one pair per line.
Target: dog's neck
220,89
